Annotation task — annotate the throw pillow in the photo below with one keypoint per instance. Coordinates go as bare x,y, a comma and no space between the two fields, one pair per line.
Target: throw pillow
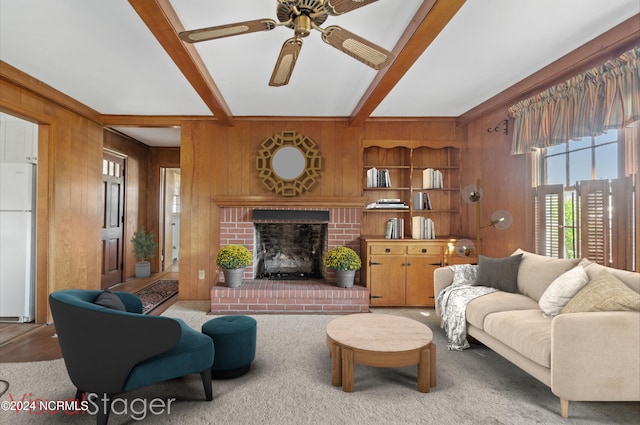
536,272
604,292
110,300
499,273
561,290
464,274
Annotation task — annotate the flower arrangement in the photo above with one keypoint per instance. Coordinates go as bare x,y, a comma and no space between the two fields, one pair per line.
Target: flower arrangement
234,257
341,258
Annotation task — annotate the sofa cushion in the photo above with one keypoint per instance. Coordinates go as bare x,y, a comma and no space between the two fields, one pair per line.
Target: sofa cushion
562,289
605,292
479,308
536,272
526,331
499,273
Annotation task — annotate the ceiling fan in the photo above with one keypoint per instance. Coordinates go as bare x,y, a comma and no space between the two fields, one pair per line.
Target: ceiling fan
302,16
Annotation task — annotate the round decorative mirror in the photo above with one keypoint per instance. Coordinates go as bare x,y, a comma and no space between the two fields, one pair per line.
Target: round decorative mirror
289,163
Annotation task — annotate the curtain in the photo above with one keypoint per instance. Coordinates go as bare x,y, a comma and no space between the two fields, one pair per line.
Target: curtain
588,104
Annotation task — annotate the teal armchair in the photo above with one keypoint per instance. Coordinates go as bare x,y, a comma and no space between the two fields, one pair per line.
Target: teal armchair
108,351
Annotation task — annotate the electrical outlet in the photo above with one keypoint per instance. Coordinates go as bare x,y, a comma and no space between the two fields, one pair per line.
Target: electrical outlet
201,274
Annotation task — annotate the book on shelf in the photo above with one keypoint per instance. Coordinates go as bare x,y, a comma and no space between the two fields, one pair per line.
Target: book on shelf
378,178
422,201
431,179
423,228
393,204
395,228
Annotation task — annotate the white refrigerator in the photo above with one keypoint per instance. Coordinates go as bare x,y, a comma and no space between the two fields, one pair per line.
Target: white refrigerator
17,242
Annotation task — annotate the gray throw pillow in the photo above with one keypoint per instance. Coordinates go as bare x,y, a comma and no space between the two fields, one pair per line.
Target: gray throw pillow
499,273
110,300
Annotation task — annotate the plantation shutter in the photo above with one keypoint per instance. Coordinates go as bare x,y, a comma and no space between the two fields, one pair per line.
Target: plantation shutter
549,215
593,196
622,223
606,215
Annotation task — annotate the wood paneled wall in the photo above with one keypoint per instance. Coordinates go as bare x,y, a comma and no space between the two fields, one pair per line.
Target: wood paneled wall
218,162
69,177
505,180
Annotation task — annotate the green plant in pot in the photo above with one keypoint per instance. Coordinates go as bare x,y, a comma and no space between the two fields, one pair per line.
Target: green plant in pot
144,248
345,261
233,259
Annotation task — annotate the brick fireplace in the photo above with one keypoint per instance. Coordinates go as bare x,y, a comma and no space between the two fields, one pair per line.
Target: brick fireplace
311,295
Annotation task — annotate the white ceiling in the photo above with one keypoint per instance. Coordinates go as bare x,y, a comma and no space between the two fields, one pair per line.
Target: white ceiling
102,54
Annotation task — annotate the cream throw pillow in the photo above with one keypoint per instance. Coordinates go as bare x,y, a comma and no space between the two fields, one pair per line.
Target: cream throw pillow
604,292
561,290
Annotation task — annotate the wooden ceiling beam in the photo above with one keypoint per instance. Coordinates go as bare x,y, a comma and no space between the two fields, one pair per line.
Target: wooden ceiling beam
163,22
427,23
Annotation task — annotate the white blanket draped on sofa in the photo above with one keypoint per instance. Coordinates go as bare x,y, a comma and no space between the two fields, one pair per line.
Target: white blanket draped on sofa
452,302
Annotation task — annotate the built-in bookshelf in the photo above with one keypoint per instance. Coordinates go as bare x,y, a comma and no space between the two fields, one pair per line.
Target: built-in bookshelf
421,178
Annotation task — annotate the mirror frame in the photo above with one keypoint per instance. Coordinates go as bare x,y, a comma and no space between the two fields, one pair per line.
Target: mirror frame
289,187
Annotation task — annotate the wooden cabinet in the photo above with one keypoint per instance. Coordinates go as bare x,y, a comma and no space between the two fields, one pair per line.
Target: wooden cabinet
404,162
399,272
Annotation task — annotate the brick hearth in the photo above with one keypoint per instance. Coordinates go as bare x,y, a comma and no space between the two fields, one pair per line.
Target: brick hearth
288,296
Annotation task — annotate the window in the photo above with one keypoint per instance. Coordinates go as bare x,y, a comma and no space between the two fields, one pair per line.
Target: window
584,205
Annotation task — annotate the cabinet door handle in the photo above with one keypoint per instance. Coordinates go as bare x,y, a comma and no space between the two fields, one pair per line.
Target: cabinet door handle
387,250
375,296
424,250
436,264
373,263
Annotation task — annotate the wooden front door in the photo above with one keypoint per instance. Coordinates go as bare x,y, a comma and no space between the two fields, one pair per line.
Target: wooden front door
112,219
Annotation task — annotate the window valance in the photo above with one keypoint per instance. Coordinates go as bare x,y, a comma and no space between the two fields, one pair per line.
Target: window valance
589,104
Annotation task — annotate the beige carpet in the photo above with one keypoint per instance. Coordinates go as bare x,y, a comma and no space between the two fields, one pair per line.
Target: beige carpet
290,383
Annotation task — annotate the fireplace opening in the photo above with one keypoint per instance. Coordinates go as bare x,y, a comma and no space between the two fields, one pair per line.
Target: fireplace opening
289,244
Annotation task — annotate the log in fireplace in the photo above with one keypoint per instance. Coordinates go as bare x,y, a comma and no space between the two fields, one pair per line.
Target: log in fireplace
289,243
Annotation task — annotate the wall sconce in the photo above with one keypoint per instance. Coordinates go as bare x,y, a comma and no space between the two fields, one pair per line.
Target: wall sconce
496,129
500,219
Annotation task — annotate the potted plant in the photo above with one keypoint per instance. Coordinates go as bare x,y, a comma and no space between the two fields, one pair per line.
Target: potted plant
144,248
233,259
345,261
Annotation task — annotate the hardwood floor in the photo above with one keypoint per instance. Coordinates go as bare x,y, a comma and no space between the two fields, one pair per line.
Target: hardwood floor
28,342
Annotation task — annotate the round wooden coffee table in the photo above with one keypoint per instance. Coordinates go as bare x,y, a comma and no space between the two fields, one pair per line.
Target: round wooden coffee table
380,340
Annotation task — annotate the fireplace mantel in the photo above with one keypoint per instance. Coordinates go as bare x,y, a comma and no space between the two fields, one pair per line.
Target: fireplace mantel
270,201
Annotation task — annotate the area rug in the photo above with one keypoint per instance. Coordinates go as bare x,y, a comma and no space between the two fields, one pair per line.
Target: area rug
157,293
290,384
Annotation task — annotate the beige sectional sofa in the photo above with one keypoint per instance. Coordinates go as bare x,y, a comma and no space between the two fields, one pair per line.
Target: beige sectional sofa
581,356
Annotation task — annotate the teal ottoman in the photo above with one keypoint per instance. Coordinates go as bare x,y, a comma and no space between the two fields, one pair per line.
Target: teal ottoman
234,342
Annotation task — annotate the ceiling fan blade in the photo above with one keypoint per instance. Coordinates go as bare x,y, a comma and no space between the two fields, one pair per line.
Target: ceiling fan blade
357,47
286,61
338,7
228,30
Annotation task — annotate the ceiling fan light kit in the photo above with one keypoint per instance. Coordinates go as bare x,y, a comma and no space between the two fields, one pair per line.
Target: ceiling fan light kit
302,16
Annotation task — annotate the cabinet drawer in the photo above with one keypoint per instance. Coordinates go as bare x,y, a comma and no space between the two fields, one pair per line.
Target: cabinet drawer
388,249
424,249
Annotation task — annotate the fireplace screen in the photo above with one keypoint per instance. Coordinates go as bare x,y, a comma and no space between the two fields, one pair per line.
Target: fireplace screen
289,250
